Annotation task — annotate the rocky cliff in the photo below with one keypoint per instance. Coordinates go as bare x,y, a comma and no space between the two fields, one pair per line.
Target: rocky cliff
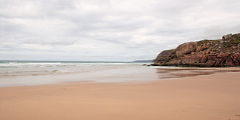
224,52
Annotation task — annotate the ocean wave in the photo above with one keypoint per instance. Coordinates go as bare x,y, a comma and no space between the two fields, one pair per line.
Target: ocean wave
43,68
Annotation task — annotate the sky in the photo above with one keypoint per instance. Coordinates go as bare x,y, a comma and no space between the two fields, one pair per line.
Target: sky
109,30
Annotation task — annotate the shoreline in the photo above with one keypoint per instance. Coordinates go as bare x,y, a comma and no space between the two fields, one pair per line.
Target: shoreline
211,97
115,75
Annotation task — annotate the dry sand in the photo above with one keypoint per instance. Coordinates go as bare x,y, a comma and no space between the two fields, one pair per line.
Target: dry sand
213,97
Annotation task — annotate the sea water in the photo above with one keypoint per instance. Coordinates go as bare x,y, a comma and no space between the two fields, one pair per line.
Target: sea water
26,68
19,73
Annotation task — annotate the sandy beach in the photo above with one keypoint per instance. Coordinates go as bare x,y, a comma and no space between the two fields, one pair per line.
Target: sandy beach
209,97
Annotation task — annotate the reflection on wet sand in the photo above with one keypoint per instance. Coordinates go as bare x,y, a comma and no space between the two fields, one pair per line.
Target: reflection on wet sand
187,72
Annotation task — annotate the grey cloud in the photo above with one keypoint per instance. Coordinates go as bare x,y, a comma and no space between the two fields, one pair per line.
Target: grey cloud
50,41
126,27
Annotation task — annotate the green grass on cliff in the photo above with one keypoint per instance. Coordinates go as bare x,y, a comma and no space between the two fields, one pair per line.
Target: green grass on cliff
172,50
208,42
235,42
236,36
236,39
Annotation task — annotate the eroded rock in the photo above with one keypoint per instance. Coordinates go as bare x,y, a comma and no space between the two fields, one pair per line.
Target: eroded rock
216,53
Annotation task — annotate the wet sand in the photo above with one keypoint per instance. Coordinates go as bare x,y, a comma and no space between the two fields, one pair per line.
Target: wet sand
209,97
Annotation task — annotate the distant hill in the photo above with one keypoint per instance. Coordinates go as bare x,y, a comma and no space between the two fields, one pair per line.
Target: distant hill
144,61
223,52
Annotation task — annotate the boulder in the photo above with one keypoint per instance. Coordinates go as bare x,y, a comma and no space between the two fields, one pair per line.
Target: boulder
227,38
165,56
186,48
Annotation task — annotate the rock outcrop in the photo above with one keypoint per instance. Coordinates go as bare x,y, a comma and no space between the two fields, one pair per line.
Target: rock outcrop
224,52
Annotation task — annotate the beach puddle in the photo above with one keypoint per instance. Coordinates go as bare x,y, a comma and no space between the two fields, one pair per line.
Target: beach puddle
188,72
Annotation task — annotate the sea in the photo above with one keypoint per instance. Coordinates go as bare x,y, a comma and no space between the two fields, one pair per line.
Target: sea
25,73
23,68
21,73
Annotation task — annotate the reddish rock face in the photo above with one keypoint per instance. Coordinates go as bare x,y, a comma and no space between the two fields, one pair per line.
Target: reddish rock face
186,48
165,56
206,53
201,48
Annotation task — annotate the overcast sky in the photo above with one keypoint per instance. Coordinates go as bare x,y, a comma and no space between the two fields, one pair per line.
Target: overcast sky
112,30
